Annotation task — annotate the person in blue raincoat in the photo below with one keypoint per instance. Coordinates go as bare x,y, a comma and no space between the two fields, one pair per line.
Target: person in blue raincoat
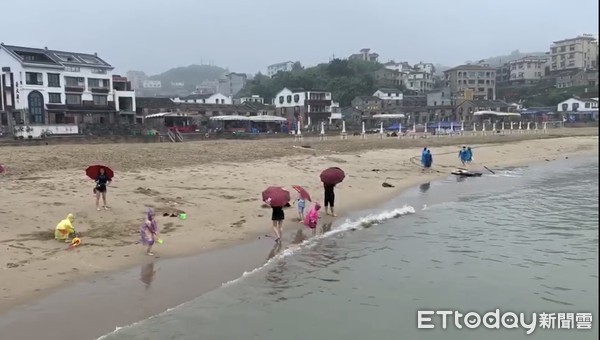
469,155
428,161
463,155
423,153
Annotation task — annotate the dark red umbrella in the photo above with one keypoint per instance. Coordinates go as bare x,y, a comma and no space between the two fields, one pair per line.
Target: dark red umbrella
2,169
277,196
303,193
333,176
94,170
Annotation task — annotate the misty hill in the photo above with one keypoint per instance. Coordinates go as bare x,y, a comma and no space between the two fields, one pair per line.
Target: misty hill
190,75
514,55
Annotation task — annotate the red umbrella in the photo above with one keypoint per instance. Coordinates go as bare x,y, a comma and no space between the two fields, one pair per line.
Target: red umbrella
332,176
277,196
303,193
2,169
94,170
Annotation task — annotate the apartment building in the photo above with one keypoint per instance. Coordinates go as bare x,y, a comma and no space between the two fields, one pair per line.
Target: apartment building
232,83
527,70
576,53
43,86
303,106
285,66
476,81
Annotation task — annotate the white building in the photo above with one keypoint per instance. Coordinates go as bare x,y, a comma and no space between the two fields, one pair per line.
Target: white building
285,66
308,107
388,94
214,98
43,86
527,69
152,84
252,99
577,105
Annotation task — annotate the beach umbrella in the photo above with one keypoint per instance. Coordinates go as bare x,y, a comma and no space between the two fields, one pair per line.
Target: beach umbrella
93,171
332,176
276,196
2,170
303,193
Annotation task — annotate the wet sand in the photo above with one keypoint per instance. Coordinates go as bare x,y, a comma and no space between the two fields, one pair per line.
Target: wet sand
218,184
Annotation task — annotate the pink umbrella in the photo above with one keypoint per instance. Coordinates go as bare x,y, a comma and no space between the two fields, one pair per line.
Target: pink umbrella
332,176
276,196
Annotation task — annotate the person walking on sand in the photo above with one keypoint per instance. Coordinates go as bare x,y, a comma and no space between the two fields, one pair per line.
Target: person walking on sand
469,155
149,231
277,217
301,203
423,153
463,155
102,181
428,160
312,218
329,199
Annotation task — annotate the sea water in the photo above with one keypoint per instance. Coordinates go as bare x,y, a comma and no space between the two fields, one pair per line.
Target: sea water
522,240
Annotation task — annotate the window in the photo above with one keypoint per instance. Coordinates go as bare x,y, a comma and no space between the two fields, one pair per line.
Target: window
101,100
528,65
280,99
54,98
74,82
53,80
587,105
575,106
98,71
72,69
33,78
563,48
289,99
296,98
571,47
571,55
73,99
565,107
97,83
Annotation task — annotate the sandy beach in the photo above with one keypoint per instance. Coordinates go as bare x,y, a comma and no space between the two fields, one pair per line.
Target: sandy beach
218,185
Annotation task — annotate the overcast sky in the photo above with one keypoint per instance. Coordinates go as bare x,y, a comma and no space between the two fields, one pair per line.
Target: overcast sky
248,35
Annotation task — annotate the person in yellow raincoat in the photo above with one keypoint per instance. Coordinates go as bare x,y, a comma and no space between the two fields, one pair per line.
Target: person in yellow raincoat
65,228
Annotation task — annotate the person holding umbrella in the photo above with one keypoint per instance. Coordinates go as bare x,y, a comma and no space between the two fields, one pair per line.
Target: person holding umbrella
330,178
102,176
277,198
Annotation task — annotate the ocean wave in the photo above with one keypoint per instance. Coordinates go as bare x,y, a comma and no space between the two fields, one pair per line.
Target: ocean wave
363,222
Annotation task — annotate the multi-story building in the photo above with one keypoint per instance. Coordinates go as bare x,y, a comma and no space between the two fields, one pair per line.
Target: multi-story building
575,53
386,77
478,80
440,97
285,66
402,67
232,83
419,81
208,86
303,106
527,70
503,74
367,104
570,78
137,79
389,96
365,54
43,86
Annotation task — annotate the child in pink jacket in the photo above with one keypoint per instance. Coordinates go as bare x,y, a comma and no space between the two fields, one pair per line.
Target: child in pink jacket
312,218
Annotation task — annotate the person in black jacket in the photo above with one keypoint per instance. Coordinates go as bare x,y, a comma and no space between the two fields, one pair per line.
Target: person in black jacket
102,181
329,200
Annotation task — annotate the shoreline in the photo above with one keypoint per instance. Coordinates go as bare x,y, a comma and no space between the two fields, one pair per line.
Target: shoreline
101,258
122,293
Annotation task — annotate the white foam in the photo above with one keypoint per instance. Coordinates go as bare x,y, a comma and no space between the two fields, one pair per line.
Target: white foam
361,223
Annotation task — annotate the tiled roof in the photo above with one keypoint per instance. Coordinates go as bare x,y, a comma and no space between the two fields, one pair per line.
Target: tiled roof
54,57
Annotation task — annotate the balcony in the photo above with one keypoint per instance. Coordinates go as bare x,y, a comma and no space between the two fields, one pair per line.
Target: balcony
318,102
103,90
74,88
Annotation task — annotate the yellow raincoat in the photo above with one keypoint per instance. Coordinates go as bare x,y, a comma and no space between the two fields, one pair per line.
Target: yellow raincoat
64,228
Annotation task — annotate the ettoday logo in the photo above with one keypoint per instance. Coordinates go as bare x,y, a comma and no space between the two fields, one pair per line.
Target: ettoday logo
509,320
